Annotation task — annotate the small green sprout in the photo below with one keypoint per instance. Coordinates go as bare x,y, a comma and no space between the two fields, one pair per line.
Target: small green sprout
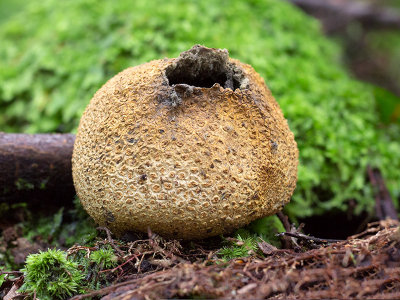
23,185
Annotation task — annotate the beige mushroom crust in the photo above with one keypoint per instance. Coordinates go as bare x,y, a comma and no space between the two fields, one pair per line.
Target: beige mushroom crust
213,163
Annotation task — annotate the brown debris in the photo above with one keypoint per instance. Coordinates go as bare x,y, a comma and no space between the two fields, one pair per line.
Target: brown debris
367,267
18,246
22,247
10,286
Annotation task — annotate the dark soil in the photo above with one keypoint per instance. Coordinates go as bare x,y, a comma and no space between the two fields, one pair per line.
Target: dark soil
336,225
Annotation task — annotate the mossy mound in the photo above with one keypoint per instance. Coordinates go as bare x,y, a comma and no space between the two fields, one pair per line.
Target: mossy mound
55,55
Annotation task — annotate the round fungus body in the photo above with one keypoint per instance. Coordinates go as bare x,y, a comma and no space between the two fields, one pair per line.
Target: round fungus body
189,147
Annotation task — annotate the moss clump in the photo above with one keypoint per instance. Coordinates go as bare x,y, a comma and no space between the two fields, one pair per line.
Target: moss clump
243,247
50,275
104,258
47,82
53,275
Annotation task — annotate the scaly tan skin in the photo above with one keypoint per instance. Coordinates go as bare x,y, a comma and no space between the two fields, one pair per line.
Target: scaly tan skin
188,162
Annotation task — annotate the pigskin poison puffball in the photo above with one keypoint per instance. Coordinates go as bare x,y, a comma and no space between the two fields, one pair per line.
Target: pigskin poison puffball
189,147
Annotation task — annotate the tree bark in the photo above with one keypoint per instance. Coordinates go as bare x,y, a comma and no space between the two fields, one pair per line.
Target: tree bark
36,169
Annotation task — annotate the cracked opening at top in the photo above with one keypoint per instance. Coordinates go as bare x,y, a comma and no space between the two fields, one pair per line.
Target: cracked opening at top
203,67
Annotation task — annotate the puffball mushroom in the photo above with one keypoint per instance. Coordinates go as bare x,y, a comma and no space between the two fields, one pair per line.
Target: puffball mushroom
190,147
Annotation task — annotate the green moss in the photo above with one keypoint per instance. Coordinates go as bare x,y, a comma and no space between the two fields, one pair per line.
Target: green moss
104,258
264,229
55,55
243,247
50,275
53,275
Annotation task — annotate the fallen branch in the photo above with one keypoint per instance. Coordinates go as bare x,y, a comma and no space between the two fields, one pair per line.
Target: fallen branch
11,272
384,206
309,238
336,15
286,243
285,220
36,168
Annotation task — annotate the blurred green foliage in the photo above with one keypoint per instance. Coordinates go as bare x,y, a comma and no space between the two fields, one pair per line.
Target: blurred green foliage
392,4
62,229
386,46
388,104
9,8
55,54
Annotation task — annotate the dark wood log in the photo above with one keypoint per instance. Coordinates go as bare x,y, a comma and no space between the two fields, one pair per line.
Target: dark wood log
36,168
